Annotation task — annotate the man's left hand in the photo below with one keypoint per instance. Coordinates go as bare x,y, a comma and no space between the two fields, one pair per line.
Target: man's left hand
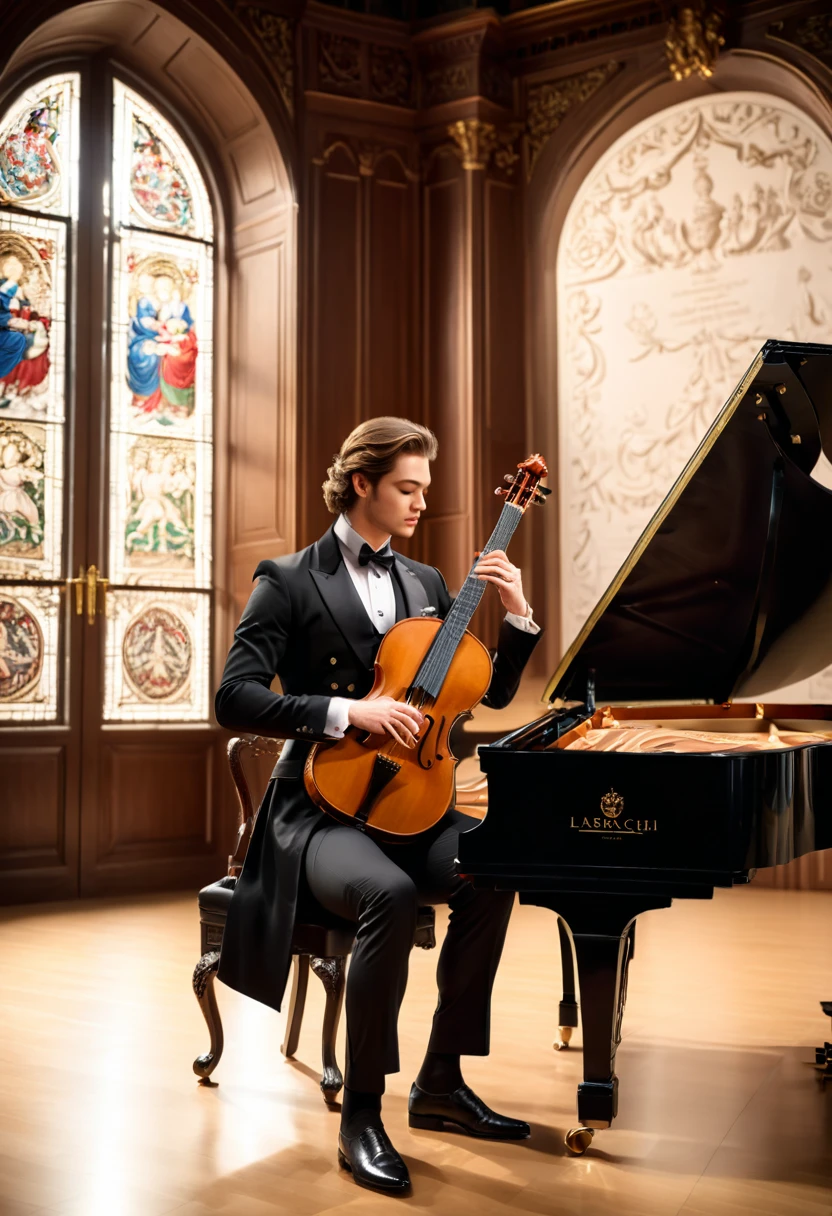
495,568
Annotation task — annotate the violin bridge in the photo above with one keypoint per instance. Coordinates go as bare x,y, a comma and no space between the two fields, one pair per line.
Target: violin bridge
385,769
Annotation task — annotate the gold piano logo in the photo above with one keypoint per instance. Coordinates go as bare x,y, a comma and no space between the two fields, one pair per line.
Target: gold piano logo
612,805
613,822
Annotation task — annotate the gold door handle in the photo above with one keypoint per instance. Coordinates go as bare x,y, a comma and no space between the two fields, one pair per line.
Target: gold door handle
89,580
78,584
93,582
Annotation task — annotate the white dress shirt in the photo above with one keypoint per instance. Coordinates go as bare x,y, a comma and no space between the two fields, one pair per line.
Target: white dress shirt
374,585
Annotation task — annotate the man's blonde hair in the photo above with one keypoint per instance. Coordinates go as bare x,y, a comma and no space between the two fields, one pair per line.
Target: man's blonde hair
373,449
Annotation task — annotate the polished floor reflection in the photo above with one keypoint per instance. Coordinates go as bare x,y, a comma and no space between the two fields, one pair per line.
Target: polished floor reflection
720,1113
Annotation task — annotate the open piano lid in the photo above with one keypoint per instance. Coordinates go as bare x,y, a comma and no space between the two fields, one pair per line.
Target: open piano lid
728,591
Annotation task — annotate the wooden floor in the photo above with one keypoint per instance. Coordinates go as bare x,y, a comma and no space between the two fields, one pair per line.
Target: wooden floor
720,1113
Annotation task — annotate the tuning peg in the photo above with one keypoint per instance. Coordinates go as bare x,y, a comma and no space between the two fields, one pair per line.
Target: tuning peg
501,492
544,490
508,477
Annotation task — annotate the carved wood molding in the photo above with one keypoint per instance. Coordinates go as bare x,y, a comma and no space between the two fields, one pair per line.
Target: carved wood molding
274,37
549,103
365,154
812,34
532,35
466,64
391,75
448,82
352,67
339,64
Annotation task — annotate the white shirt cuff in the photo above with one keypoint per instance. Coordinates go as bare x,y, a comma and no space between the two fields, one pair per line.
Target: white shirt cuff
337,717
524,623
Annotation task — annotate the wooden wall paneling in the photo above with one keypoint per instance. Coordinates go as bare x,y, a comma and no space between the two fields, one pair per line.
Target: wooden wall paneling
32,830
502,409
159,833
262,426
448,527
38,817
390,304
333,405
174,813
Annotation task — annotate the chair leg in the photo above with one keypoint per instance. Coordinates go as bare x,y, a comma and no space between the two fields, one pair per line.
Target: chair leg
331,973
203,982
568,1008
297,1001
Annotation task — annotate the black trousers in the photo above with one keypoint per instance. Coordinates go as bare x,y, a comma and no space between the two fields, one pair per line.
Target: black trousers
381,886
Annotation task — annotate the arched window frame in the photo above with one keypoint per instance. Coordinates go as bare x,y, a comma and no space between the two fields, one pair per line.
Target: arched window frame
167,599
59,217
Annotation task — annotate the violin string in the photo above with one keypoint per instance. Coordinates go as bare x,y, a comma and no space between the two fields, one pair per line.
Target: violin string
435,666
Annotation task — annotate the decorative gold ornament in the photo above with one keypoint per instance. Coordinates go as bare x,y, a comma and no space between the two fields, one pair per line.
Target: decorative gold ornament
548,105
694,37
475,141
612,805
506,155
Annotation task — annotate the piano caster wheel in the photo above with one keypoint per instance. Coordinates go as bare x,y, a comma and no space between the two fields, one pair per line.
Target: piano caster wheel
565,1037
578,1140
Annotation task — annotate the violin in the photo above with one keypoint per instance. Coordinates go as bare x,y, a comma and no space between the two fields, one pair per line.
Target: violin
382,787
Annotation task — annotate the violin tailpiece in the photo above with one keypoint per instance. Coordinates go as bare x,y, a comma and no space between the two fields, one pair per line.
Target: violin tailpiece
385,769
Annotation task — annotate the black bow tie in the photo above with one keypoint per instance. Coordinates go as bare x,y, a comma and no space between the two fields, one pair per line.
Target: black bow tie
368,555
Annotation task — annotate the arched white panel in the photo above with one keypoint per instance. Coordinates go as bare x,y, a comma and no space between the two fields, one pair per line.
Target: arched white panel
699,234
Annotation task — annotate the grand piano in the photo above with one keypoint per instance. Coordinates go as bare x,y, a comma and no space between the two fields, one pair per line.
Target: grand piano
725,598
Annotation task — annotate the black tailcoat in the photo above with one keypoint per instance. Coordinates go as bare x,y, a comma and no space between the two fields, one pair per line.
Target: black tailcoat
305,623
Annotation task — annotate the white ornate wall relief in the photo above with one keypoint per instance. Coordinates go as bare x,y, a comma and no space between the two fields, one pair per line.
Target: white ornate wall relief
702,232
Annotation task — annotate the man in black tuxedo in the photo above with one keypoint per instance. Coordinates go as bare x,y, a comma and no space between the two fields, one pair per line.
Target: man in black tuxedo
316,619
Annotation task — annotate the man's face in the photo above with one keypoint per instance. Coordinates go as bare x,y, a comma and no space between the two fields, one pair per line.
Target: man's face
397,501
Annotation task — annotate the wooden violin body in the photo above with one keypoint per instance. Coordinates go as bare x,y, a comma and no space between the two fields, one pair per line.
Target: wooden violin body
383,787
389,790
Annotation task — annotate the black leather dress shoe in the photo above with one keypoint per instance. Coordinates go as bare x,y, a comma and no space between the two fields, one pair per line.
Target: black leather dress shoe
465,1110
373,1162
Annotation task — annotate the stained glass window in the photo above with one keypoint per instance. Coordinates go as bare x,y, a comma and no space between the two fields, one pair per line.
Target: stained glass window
161,450
29,635
38,196
161,454
39,148
32,317
156,660
157,184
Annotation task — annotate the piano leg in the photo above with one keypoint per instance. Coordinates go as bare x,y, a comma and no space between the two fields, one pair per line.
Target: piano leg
601,930
568,1008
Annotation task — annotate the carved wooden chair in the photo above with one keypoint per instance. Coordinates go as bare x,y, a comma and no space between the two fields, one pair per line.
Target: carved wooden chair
323,945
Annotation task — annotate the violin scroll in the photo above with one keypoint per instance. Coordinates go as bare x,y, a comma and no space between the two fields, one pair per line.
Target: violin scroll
525,488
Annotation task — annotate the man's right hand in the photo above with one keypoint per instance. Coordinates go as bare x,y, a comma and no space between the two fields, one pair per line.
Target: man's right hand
384,715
